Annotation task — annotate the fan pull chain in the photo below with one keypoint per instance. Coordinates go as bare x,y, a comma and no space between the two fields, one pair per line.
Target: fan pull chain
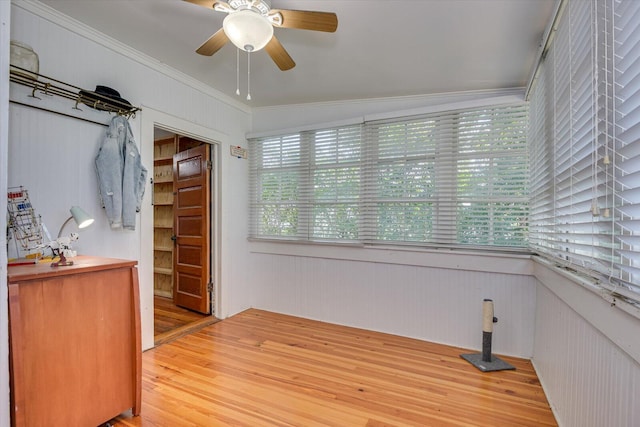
248,75
238,72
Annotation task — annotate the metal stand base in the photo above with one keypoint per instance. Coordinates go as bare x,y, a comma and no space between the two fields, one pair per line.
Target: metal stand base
63,262
495,364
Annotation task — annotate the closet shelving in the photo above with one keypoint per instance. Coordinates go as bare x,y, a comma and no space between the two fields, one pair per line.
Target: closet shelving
44,85
163,255
163,210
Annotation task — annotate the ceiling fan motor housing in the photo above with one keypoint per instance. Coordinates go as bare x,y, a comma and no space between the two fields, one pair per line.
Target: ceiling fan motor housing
261,6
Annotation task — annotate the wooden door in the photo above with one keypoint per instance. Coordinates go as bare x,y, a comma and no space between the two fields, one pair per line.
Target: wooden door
192,230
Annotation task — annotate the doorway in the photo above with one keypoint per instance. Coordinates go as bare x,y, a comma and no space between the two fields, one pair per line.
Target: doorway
182,260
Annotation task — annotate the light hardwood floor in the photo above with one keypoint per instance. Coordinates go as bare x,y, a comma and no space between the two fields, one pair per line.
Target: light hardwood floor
261,369
171,322
167,316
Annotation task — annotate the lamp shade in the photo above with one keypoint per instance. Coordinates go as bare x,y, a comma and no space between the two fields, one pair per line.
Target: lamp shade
248,30
82,218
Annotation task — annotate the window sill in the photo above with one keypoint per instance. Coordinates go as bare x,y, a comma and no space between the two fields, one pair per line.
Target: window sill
585,283
616,319
490,262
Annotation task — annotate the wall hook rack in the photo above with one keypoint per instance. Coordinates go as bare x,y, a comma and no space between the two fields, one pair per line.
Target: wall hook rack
41,84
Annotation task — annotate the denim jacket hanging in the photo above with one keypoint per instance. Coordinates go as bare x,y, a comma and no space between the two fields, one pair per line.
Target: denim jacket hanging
121,175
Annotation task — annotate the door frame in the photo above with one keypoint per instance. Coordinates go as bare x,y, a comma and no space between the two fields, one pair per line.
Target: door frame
151,119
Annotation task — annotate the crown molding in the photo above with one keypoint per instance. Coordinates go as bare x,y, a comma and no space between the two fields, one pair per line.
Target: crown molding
432,98
385,108
45,12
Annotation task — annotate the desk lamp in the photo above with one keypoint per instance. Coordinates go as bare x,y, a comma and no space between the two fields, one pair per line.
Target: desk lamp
83,219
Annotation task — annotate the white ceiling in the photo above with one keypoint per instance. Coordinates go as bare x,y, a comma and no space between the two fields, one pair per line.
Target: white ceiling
382,48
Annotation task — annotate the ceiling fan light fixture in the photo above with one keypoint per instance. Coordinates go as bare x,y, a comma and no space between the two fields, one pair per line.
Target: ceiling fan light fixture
248,30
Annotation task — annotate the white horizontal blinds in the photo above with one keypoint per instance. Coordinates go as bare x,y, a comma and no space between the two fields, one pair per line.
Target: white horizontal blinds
279,174
541,194
624,172
492,177
562,141
594,63
578,222
449,178
336,174
306,185
401,183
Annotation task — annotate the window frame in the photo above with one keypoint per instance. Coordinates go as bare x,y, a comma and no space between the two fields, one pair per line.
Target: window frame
444,198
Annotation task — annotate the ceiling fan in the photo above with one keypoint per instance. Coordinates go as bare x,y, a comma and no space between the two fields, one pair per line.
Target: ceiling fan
249,26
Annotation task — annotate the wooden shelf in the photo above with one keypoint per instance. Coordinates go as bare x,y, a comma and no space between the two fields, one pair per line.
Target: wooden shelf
163,173
163,193
162,160
162,293
164,149
163,198
162,237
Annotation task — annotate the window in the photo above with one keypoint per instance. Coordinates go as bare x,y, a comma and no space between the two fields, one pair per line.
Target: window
280,199
335,183
449,178
492,186
401,183
585,145
457,178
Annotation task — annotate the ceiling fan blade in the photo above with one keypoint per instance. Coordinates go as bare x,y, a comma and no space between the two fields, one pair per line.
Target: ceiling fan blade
279,55
214,43
308,20
204,3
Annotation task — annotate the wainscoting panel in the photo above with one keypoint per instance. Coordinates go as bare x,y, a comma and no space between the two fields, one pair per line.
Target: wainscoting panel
589,381
433,304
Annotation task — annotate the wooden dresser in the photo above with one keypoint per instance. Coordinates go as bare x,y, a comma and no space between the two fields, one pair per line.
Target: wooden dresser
75,349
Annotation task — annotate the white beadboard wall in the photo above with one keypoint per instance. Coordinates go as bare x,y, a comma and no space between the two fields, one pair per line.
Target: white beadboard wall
53,156
589,380
434,304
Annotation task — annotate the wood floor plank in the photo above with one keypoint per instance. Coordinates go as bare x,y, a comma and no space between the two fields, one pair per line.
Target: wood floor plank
168,316
266,369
